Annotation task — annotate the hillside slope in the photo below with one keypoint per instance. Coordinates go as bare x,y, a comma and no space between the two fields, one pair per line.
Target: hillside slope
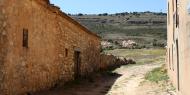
145,28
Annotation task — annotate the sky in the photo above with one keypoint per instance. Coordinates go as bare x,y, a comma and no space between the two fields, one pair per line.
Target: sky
110,6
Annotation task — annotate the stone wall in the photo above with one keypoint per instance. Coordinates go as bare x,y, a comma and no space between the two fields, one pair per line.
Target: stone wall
53,38
111,61
107,60
44,63
3,44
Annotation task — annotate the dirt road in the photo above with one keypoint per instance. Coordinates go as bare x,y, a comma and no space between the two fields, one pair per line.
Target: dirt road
131,79
126,80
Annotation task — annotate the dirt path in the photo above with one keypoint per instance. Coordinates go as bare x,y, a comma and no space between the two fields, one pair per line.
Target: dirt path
131,79
127,80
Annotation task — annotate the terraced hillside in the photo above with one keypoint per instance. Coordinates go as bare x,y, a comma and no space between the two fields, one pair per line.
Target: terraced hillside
145,28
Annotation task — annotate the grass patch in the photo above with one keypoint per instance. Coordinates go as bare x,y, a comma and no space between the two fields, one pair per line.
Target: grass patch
137,52
141,56
151,60
157,75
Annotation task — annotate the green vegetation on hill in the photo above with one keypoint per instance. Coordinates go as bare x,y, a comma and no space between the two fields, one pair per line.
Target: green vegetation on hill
146,28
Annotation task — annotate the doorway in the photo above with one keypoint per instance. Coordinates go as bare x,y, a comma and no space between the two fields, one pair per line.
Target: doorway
178,72
77,64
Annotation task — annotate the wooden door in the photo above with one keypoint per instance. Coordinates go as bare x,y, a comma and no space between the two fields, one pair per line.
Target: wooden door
178,68
77,64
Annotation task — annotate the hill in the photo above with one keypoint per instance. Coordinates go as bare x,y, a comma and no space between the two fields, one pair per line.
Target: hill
148,29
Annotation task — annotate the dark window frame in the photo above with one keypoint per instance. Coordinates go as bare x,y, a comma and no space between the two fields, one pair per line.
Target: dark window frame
66,52
25,38
177,15
178,69
173,5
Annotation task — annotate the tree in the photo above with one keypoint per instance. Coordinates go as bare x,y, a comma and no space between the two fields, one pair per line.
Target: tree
105,14
80,14
155,42
99,14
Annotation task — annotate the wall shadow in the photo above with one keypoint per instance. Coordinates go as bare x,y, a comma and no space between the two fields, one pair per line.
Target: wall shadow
98,83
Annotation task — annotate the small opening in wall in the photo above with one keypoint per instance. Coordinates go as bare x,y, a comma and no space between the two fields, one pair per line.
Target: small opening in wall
177,20
25,38
28,94
173,5
66,52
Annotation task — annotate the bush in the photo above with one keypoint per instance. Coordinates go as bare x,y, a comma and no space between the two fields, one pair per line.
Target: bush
110,40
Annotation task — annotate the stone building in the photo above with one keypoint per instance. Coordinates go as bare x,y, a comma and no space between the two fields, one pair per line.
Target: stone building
41,46
178,49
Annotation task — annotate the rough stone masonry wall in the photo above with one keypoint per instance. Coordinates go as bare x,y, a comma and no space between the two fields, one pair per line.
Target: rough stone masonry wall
3,44
36,67
88,45
108,61
43,64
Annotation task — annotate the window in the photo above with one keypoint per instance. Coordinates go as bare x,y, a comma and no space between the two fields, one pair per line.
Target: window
177,15
25,38
176,2
173,5
66,52
177,20
178,71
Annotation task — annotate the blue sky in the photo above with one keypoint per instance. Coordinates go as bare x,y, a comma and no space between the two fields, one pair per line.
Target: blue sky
110,6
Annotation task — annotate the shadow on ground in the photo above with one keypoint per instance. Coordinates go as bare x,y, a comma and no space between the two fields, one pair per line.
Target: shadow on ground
97,84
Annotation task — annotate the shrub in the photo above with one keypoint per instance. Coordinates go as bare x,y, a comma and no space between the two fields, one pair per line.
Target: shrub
157,75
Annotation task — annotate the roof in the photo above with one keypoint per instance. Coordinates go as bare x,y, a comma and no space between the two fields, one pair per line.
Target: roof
64,15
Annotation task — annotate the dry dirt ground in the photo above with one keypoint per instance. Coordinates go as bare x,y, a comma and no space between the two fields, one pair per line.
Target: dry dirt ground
126,80
132,82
